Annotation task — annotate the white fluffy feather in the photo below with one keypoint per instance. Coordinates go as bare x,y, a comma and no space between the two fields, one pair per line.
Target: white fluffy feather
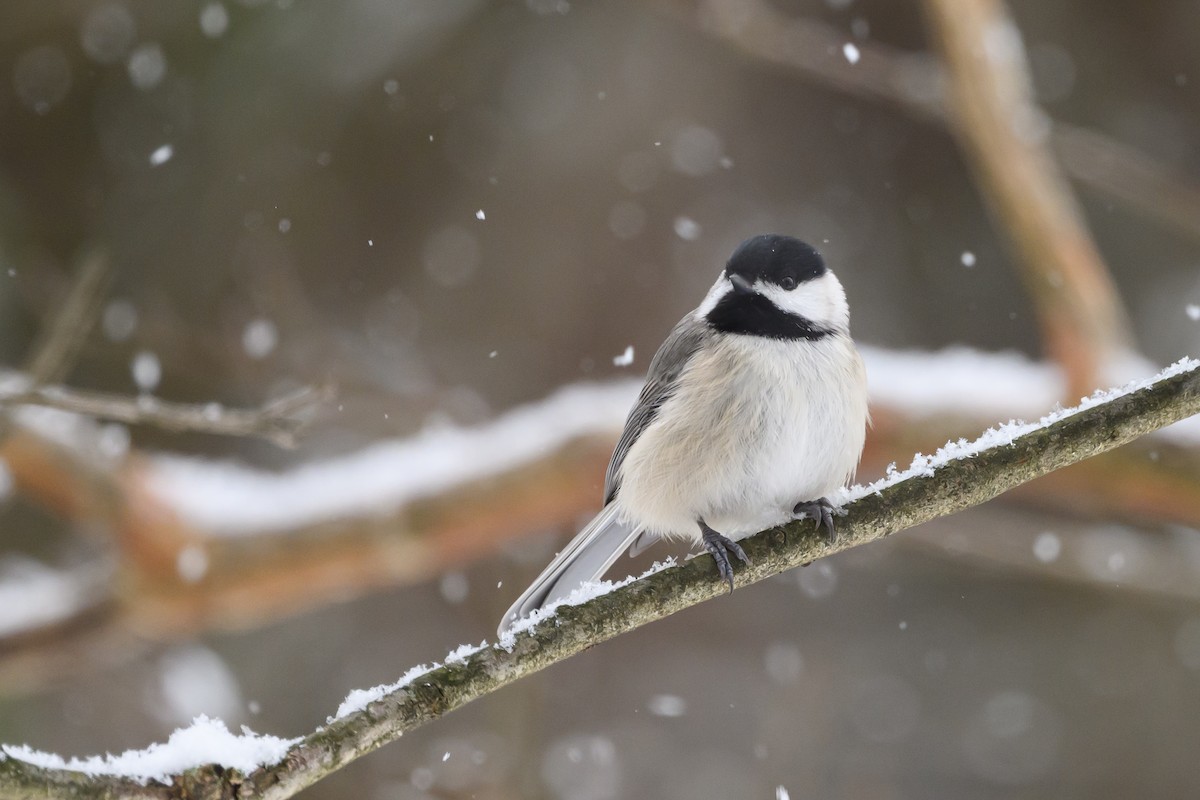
756,426
750,427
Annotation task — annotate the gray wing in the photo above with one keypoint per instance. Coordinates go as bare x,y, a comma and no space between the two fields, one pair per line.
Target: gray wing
661,379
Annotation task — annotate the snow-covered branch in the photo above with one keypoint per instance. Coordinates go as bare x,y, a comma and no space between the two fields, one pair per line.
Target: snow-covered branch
959,476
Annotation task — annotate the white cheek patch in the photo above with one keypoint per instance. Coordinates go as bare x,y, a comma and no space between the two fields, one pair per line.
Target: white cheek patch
814,300
719,289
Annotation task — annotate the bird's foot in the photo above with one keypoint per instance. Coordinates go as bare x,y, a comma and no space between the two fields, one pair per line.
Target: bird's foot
821,511
720,546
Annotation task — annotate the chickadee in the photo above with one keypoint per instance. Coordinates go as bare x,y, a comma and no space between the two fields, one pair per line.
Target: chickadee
756,400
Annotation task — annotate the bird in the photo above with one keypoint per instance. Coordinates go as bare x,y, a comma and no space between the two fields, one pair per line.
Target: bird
753,412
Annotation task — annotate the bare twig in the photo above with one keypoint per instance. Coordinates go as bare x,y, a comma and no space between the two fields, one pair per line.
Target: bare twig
59,342
278,421
62,338
914,83
1127,175
952,487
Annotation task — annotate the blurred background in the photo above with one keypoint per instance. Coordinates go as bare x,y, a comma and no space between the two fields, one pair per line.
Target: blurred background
448,209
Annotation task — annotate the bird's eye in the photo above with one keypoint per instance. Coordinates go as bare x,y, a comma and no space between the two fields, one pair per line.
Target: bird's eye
788,283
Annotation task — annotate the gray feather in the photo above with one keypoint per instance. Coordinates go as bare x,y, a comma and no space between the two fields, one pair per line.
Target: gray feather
585,558
661,380
605,538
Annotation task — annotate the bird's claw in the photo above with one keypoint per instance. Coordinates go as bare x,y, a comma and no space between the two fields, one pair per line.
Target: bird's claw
720,546
821,512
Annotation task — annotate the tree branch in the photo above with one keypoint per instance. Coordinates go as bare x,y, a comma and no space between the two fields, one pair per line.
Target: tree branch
61,340
278,421
22,781
1004,135
914,84
970,479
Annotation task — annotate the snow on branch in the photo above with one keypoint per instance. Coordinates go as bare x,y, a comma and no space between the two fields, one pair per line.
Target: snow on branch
225,499
959,476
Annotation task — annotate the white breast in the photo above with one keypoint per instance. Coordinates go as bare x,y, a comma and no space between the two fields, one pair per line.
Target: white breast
755,426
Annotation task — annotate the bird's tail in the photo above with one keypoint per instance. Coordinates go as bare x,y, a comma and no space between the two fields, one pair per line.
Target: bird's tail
585,558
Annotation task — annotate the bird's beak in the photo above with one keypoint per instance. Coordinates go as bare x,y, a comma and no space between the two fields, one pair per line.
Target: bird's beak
740,284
